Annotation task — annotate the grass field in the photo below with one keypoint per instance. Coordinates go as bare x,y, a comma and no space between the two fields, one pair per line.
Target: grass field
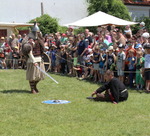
24,114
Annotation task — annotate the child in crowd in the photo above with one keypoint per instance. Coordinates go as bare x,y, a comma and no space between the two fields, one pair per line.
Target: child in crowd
110,57
95,60
53,57
89,71
78,70
121,62
131,66
138,47
15,57
75,61
139,67
88,59
46,50
101,64
63,62
57,62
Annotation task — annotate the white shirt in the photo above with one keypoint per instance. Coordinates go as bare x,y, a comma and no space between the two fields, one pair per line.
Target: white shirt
147,61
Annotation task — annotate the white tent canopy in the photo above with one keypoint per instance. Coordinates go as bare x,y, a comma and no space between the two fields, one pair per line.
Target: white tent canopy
100,18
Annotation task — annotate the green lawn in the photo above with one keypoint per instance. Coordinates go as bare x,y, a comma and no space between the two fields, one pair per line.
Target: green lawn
23,114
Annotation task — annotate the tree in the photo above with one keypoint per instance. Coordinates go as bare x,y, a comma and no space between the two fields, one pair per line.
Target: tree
112,7
47,24
146,20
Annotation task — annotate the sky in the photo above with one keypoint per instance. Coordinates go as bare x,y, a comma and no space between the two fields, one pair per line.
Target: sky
21,11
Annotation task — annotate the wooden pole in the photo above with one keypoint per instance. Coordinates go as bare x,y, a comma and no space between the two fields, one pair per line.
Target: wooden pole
42,9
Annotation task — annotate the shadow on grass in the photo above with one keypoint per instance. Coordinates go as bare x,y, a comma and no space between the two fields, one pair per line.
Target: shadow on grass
15,91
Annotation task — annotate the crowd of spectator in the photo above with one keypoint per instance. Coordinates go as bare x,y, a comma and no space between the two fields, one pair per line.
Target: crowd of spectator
88,55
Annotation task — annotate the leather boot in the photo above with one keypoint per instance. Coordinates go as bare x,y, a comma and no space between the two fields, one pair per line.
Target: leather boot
32,86
36,82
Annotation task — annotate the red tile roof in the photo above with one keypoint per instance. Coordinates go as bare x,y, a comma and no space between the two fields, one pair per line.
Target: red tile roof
142,3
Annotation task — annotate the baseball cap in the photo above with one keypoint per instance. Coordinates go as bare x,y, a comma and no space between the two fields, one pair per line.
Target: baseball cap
138,46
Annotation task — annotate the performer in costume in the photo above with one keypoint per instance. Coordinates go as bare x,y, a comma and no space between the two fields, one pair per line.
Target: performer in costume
115,90
33,49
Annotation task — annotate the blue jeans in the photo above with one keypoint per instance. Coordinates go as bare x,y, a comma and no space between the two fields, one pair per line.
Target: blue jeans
131,77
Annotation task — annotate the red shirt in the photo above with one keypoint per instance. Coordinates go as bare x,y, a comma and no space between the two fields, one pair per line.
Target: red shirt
7,48
127,53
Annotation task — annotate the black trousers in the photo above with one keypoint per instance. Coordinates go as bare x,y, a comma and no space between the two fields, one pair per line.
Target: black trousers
63,67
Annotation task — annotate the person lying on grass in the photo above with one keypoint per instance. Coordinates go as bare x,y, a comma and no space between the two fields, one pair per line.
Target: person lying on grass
115,90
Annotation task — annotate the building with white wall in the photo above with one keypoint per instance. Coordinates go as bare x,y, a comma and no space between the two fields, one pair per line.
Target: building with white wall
6,29
139,8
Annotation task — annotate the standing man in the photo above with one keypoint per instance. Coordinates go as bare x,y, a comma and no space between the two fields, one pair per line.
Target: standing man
81,49
13,42
34,49
115,90
88,38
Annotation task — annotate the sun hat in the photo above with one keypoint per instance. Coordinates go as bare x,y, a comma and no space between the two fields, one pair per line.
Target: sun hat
110,48
142,23
146,35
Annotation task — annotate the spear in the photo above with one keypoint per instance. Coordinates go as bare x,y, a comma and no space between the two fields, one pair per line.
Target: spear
46,74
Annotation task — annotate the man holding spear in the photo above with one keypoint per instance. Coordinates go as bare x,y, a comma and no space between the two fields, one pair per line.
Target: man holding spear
33,49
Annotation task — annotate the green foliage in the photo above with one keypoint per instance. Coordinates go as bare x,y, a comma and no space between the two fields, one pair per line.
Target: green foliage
23,114
79,30
112,7
23,28
146,20
47,24
62,29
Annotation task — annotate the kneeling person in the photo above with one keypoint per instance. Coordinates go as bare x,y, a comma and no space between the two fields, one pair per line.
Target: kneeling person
115,90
